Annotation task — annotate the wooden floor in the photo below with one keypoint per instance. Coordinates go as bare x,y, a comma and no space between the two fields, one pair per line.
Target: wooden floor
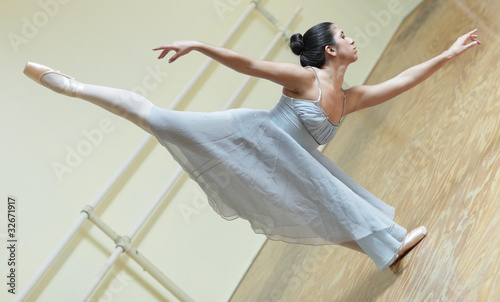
434,154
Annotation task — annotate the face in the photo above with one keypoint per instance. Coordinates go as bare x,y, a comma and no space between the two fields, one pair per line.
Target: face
345,46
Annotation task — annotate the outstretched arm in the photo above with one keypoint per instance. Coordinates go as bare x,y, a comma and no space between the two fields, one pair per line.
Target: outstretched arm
364,96
289,75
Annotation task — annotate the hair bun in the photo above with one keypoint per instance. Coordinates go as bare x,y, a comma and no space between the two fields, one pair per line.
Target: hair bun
297,44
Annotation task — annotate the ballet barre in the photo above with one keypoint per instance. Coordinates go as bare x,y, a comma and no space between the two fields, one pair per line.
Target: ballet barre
123,243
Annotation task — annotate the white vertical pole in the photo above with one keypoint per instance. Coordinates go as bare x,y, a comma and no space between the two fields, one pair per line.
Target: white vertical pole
140,259
123,244
51,258
102,273
105,190
98,279
205,65
277,38
25,291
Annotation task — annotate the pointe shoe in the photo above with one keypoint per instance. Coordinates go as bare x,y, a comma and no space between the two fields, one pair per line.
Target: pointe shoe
412,239
64,84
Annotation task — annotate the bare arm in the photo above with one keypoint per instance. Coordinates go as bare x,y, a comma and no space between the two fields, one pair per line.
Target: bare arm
364,96
289,75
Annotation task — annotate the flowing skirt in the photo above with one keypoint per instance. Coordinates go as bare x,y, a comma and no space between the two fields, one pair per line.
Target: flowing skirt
250,167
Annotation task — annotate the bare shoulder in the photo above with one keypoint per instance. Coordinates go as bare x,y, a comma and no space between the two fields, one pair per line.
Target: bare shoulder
304,84
289,75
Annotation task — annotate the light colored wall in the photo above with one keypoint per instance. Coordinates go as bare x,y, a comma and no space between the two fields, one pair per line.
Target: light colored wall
109,43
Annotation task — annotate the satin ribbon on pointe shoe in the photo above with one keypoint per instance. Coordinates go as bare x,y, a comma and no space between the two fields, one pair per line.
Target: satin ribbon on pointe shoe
36,71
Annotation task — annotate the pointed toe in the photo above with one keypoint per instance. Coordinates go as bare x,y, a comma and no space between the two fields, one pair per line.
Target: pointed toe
36,71
412,239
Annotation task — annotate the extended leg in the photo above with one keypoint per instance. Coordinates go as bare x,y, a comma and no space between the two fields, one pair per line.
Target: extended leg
126,104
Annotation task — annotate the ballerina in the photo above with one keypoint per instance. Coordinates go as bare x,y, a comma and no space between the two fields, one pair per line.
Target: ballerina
264,166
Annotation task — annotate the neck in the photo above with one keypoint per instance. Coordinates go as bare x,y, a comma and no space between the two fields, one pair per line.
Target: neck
335,72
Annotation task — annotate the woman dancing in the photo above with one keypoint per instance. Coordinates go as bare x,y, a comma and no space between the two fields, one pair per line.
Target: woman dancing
264,166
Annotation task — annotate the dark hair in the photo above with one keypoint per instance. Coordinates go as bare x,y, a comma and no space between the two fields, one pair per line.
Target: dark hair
311,46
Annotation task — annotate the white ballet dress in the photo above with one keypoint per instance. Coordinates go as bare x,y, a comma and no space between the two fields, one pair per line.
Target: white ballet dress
264,166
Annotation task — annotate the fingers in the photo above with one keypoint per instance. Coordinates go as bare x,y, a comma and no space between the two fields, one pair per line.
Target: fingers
467,46
163,54
165,50
471,32
470,36
474,38
173,58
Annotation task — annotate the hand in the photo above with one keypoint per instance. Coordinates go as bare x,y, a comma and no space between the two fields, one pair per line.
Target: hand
461,45
180,47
